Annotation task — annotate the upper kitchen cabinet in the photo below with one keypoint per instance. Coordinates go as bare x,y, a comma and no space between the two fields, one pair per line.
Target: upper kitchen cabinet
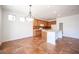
44,24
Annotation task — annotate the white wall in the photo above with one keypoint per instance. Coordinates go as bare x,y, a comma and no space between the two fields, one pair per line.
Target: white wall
70,26
16,29
0,24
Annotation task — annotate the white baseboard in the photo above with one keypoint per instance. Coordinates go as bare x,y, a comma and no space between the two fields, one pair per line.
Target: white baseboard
16,38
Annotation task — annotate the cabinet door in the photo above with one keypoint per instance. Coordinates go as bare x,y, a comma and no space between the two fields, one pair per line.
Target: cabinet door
44,35
37,32
53,22
49,25
35,23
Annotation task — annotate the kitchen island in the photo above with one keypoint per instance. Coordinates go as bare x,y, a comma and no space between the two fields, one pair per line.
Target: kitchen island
51,35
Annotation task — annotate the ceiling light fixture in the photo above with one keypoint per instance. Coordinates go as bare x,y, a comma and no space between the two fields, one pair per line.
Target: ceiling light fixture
29,16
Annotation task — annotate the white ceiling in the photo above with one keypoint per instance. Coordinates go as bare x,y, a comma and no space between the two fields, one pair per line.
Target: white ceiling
46,11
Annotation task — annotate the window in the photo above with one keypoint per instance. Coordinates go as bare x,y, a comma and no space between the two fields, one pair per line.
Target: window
11,17
22,19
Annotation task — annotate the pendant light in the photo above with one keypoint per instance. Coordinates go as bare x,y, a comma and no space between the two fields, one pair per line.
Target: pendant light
29,17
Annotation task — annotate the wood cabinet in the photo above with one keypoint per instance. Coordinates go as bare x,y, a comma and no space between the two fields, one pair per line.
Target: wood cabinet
36,32
37,25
